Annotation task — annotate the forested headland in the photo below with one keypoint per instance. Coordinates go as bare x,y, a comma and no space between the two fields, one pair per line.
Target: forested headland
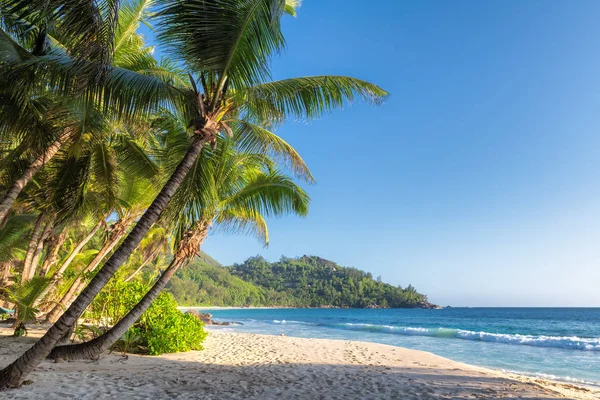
307,281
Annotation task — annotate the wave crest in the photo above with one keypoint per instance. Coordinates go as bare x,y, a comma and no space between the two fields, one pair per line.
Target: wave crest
561,342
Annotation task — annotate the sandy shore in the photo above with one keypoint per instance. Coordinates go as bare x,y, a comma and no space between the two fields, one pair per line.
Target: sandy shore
249,366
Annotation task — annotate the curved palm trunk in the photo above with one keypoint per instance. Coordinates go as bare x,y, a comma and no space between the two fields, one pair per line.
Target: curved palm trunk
80,282
143,264
38,249
10,196
57,278
187,248
31,249
51,258
79,246
93,348
13,375
4,273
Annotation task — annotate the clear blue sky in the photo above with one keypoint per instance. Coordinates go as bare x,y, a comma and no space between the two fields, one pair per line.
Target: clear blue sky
479,179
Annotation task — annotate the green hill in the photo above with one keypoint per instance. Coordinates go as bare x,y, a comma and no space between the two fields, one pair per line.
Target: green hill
306,281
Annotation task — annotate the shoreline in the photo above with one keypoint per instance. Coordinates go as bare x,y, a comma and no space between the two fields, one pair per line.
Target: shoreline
243,365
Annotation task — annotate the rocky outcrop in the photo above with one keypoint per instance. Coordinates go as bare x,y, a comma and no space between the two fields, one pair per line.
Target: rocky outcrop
206,318
425,304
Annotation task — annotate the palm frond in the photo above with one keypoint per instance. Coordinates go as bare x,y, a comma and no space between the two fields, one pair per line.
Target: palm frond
251,138
135,160
249,222
25,295
306,97
13,235
86,27
291,6
125,93
10,51
232,38
104,173
271,194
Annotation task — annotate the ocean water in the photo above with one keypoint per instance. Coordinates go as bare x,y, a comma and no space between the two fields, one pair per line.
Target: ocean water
556,343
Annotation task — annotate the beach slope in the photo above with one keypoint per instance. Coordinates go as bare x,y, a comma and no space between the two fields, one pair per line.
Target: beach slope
249,366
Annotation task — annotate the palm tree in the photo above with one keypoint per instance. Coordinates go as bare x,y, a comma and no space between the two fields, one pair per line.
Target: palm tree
12,244
29,29
112,144
234,192
48,105
228,44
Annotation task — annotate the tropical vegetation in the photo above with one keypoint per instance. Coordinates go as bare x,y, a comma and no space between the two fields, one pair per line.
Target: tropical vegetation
306,281
114,162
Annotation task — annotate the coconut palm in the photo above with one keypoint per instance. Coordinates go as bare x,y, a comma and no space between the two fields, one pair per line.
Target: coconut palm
84,30
48,105
100,145
12,245
234,192
228,45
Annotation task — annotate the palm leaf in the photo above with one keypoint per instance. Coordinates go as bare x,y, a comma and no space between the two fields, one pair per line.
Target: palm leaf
270,194
233,38
25,296
252,138
306,97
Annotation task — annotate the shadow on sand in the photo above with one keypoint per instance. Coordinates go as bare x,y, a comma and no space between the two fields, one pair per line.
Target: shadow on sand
115,377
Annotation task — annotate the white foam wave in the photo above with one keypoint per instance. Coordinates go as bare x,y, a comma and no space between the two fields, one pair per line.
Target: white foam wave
564,342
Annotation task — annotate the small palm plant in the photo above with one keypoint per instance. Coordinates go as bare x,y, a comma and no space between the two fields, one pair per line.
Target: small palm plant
24,296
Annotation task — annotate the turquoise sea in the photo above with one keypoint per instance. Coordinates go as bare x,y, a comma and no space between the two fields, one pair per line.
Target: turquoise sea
556,343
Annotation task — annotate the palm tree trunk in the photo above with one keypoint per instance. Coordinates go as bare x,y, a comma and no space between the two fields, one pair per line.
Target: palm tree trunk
143,264
79,283
91,350
33,243
14,374
10,196
54,247
39,248
4,273
187,249
57,278
78,248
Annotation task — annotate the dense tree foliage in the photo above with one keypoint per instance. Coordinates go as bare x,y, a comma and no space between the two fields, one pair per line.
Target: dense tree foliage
89,120
306,281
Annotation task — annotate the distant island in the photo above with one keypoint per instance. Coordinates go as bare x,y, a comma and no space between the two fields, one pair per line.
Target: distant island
307,281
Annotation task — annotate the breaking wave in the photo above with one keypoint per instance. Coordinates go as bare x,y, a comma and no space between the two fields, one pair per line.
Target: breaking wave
562,342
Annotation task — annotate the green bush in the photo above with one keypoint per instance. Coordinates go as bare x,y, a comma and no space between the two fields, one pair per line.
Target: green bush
161,329
168,330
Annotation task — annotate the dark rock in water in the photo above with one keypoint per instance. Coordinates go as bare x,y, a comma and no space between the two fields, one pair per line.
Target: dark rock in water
425,304
206,318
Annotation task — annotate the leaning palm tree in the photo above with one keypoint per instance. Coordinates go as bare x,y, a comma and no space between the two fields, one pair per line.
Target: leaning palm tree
232,191
98,145
28,30
136,194
45,106
228,45
13,245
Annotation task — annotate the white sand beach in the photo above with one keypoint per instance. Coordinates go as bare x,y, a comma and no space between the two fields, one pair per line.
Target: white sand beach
249,366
